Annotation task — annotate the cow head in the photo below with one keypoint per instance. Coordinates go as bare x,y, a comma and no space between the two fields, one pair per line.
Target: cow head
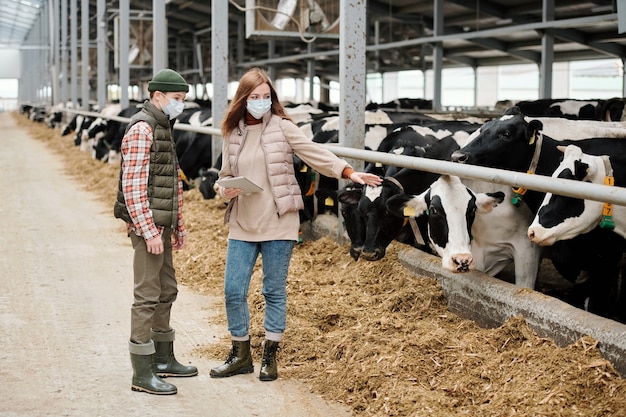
206,185
506,143
451,208
349,197
380,228
326,201
563,218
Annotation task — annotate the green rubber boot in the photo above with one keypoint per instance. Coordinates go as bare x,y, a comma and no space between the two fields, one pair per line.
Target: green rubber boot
239,361
165,363
145,378
269,366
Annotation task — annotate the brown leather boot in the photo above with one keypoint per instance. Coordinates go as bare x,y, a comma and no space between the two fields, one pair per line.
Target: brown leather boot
239,361
269,367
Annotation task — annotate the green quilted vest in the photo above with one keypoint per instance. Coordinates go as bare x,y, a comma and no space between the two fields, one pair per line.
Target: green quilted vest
163,173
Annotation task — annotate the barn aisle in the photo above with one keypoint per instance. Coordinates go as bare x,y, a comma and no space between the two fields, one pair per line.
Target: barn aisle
65,288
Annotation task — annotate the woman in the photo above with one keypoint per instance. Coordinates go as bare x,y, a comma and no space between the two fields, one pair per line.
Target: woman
259,142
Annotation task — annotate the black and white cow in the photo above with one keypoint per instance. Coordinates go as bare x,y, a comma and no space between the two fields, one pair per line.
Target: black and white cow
499,235
107,148
98,127
613,110
565,108
562,218
364,208
194,149
451,209
403,104
514,143
77,125
509,142
378,124
208,177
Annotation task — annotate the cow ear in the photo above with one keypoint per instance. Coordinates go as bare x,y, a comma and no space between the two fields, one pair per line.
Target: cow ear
420,203
512,111
406,205
581,169
534,126
485,202
396,204
350,196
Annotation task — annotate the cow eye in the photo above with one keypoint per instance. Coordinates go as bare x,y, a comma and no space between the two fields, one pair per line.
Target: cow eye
432,211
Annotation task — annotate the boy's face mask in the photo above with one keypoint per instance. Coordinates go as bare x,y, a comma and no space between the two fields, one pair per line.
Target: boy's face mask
173,108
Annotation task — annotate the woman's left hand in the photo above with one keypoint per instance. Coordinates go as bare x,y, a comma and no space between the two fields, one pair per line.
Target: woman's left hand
366,178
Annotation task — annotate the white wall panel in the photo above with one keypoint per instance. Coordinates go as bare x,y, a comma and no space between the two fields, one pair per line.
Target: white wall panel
10,67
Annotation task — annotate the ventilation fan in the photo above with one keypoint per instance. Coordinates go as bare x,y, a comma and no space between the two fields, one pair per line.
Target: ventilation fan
293,18
140,49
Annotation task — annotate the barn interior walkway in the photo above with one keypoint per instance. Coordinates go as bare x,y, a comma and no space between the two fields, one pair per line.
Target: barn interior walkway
66,291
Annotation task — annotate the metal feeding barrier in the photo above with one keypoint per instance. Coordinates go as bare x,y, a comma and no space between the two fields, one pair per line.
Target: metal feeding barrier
569,188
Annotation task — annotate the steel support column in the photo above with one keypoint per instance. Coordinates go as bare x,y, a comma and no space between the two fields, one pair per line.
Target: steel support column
63,45
84,53
101,52
124,47
55,59
437,53
547,52
310,72
219,69
159,36
352,74
74,53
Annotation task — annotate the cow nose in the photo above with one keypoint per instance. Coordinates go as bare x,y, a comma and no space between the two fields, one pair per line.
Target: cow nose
463,262
376,255
458,156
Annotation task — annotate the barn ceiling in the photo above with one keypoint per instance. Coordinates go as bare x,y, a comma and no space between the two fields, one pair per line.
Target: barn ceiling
399,33
17,19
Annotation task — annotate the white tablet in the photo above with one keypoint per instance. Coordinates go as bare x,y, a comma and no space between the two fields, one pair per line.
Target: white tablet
243,183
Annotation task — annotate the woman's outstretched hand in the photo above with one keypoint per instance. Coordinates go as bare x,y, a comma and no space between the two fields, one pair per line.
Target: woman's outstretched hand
366,178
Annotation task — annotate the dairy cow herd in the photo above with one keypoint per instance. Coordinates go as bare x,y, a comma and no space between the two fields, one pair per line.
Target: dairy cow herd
470,224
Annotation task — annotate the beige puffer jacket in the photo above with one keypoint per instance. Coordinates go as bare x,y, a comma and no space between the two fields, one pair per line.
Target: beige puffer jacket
279,158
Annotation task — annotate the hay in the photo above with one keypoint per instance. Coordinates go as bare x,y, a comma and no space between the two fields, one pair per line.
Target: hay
377,338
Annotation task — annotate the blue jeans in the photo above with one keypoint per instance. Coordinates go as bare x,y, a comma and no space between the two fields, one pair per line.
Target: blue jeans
240,259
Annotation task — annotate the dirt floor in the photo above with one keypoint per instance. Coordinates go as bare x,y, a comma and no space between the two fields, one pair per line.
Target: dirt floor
373,337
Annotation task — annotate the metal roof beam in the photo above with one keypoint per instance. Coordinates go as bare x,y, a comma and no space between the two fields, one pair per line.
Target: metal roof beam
573,35
460,59
491,43
484,6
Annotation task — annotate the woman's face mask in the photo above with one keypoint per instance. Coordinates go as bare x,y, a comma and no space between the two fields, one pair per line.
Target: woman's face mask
258,108
173,108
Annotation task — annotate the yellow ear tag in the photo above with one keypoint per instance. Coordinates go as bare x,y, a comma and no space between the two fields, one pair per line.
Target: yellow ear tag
329,202
304,168
532,138
378,165
409,211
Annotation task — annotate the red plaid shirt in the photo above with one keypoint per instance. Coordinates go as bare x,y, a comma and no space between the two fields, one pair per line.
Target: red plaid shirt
135,167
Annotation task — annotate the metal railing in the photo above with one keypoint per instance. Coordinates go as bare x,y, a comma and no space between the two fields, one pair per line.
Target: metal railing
570,188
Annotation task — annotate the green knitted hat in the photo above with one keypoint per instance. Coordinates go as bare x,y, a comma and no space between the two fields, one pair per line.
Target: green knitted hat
168,80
